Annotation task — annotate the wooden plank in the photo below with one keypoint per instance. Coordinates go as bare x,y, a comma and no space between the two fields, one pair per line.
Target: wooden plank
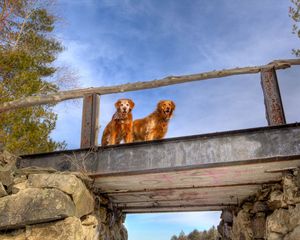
158,209
178,203
172,200
170,80
209,194
257,173
273,103
90,121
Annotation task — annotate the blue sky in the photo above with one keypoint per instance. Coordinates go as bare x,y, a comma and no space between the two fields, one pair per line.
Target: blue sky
110,42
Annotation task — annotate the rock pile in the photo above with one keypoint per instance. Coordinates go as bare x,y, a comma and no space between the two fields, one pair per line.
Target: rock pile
111,226
45,204
272,214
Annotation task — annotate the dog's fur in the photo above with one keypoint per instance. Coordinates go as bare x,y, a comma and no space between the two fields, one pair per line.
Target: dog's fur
154,126
120,126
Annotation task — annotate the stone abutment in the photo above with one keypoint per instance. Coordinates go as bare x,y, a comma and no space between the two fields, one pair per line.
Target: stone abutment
45,204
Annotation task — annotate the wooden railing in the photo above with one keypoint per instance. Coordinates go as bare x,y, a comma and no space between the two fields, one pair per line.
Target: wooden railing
91,96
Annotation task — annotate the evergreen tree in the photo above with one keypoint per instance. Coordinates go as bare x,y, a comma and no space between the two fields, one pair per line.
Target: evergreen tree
174,237
194,235
211,234
27,51
294,13
182,236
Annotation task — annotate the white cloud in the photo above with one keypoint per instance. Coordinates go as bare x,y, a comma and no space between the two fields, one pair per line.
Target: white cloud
123,48
74,56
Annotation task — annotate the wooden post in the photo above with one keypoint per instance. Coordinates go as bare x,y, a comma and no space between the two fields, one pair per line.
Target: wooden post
273,103
90,121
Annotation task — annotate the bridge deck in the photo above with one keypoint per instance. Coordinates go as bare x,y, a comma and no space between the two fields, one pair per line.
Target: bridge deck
203,172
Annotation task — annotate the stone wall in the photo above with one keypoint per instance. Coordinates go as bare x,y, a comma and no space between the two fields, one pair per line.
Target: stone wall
272,214
45,204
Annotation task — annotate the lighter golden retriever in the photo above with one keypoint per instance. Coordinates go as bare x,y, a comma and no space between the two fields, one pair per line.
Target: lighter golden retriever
120,126
154,126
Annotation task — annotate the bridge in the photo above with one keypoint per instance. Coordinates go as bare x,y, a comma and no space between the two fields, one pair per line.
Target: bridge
203,172
193,173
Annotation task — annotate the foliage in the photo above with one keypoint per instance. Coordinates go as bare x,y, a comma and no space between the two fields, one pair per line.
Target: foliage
294,13
27,51
195,235
174,237
211,234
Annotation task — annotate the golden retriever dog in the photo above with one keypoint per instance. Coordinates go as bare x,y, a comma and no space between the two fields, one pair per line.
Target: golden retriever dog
154,126
120,126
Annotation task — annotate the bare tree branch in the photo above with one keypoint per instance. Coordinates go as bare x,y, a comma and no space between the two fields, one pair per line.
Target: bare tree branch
7,8
28,14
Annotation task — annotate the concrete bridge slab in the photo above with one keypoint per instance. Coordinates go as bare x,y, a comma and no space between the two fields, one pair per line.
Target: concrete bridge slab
202,172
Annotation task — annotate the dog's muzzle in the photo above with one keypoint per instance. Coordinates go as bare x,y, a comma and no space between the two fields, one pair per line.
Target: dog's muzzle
167,111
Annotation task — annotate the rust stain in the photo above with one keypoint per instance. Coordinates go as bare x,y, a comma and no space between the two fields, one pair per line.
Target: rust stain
273,103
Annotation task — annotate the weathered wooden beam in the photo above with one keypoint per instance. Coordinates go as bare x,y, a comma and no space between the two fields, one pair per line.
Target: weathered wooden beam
79,93
158,209
90,121
272,98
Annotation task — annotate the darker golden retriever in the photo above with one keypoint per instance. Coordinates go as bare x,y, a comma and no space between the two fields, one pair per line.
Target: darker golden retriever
154,126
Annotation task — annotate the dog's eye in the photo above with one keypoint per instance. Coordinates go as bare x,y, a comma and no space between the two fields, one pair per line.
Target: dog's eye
127,104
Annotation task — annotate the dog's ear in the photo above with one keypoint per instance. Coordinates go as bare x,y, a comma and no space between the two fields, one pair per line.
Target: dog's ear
131,103
173,105
117,104
159,104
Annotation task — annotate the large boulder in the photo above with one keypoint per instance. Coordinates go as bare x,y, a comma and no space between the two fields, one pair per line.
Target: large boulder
277,222
103,214
90,227
67,229
7,168
2,190
33,205
18,187
69,184
259,226
15,235
225,230
242,227
227,216
276,200
294,235
290,189
284,221
260,206
123,233
70,228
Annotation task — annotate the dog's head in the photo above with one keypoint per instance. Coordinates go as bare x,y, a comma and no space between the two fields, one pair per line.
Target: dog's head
166,108
124,106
